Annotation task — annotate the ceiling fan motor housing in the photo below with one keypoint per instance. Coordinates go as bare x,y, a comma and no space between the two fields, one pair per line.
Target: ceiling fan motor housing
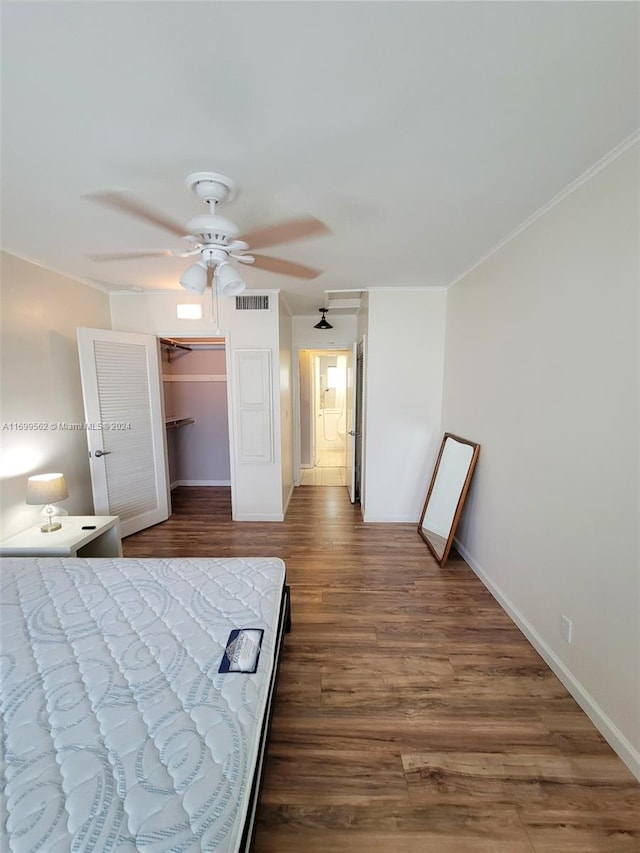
212,228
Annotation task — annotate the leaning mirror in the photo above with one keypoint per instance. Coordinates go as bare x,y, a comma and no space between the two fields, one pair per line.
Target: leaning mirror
447,492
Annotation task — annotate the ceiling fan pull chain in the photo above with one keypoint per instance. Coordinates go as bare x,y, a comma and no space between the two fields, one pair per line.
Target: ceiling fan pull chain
215,288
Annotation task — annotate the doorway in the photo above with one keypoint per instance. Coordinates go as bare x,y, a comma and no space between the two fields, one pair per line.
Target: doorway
134,380
323,417
194,380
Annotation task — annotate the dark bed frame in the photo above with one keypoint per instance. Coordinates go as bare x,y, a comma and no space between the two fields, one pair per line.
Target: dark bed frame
284,627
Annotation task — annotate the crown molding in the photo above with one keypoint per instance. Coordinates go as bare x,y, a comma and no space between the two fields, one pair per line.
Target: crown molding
422,288
591,172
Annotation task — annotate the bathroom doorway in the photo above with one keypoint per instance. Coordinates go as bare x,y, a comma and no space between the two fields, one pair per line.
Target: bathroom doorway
323,417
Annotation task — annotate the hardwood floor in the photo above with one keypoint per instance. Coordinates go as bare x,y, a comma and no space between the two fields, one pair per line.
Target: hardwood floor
411,715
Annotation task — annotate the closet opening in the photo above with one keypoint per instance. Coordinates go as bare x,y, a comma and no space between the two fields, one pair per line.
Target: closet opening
194,380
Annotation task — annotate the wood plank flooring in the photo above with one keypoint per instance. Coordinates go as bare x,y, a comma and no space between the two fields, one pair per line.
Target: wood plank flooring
411,715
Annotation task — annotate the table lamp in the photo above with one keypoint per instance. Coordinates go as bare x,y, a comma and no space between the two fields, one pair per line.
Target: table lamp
45,489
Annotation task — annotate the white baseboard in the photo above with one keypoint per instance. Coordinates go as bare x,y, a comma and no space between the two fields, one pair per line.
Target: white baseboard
380,519
200,483
601,721
246,516
286,503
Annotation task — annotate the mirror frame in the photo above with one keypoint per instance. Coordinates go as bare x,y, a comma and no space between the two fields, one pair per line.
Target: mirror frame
442,559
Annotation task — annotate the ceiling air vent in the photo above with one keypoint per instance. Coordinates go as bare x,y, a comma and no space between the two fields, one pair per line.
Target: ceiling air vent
252,303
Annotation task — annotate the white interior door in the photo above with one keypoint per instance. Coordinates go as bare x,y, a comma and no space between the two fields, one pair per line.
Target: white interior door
316,390
122,391
351,423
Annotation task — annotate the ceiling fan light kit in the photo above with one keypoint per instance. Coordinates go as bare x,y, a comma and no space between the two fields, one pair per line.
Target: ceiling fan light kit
228,280
194,278
215,238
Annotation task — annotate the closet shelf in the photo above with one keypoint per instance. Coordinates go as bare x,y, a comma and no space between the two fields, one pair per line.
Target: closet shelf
173,423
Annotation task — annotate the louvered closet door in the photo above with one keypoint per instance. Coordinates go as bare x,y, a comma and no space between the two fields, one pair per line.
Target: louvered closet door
121,386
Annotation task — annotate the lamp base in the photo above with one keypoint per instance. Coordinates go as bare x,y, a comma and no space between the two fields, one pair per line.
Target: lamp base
50,526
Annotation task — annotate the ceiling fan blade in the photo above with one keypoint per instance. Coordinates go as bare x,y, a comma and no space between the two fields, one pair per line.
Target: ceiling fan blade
127,256
278,265
126,203
285,232
237,246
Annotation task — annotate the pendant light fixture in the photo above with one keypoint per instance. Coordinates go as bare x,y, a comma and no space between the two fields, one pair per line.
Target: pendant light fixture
324,323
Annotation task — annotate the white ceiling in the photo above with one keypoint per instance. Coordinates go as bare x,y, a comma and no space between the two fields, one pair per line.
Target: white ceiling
422,133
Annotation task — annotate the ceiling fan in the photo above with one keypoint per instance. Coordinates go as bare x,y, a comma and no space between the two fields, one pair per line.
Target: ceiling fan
215,238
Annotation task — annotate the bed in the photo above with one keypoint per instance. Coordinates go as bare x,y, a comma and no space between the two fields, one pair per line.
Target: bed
127,724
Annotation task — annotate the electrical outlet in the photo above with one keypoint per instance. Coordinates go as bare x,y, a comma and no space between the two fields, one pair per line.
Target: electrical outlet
566,628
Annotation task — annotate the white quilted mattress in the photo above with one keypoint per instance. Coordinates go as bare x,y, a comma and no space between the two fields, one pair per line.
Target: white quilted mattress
118,731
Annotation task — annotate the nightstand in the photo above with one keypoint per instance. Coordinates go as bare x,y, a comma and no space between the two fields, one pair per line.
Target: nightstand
101,539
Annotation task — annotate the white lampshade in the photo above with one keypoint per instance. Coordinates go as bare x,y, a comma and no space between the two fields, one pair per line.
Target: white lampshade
46,489
194,278
229,281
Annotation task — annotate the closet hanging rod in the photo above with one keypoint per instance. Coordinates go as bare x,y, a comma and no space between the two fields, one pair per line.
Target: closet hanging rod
167,342
206,346
173,423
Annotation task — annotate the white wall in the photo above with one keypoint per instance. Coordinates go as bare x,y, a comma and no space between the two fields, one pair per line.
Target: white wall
257,488
41,385
155,313
286,403
343,334
542,370
362,319
404,375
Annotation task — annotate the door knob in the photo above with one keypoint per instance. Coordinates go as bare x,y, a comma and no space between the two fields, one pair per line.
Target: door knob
100,453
